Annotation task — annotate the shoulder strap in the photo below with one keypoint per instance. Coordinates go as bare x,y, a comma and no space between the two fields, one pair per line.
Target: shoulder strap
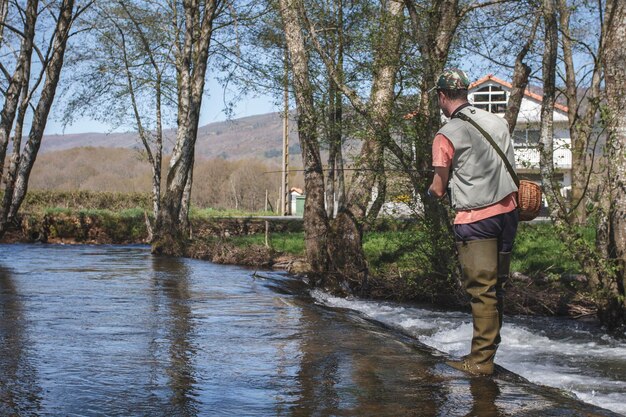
468,119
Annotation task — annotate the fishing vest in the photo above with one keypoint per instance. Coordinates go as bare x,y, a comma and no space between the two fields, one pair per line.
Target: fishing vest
479,177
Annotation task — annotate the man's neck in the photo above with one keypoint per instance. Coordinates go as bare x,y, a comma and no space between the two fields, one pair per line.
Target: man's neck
459,107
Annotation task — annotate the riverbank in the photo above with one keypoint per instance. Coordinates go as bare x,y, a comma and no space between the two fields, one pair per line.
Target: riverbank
529,292
552,287
545,279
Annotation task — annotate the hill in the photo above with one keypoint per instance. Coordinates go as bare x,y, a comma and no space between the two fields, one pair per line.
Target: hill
253,137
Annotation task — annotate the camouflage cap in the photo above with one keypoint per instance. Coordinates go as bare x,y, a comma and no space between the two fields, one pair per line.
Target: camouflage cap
453,79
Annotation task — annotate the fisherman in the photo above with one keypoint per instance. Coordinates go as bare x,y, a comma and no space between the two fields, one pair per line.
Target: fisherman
483,195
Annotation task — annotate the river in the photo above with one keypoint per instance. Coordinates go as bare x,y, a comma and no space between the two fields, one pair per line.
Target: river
113,331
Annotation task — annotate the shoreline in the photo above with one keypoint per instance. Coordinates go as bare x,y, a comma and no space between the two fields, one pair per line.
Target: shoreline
214,241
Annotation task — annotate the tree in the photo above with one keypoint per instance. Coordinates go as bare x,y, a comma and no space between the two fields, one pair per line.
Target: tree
127,75
546,140
599,263
581,119
315,219
332,121
337,246
614,56
195,21
26,90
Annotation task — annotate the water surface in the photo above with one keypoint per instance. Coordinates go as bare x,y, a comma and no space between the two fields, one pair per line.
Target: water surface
110,330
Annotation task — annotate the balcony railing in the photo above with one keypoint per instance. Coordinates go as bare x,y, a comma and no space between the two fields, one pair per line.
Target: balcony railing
527,157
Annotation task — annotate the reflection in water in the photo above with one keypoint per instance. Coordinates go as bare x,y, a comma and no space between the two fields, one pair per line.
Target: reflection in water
92,331
317,375
484,392
19,391
171,278
350,367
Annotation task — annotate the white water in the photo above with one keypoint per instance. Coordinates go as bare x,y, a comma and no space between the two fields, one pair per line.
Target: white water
558,353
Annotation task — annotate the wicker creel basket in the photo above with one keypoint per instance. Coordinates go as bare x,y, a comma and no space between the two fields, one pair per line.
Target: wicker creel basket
528,200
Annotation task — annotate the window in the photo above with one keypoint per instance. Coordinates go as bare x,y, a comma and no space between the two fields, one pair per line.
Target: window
490,98
526,137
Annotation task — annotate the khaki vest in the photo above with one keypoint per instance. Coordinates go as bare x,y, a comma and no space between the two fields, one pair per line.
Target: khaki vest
479,177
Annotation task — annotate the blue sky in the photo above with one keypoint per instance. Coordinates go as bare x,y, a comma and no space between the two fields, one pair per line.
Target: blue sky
212,111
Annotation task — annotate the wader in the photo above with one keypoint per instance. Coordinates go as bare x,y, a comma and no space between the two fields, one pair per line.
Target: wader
485,269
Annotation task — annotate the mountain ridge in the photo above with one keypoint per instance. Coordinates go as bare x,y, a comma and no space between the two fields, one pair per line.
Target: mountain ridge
259,136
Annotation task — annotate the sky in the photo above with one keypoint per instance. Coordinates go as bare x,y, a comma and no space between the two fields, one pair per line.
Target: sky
212,111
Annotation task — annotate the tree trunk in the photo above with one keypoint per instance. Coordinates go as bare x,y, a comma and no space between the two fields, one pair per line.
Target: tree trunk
519,81
315,219
14,161
186,202
334,181
546,141
334,146
15,87
4,11
53,69
155,157
346,245
580,125
191,65
381,194
434,33
340,189
615,78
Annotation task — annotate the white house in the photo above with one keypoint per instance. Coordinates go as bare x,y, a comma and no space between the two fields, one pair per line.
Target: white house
492,94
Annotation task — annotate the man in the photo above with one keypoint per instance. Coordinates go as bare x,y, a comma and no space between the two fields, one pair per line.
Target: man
483,194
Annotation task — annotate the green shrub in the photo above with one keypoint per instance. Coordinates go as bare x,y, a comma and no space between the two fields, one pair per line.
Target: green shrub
205,213
291,243
540,251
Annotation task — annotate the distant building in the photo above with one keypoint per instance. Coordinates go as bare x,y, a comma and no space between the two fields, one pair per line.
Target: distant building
296,201
492,94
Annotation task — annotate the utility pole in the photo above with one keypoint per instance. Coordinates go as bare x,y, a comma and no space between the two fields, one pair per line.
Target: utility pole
285,175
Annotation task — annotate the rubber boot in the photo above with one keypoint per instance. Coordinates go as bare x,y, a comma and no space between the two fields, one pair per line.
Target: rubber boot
504,271
479,262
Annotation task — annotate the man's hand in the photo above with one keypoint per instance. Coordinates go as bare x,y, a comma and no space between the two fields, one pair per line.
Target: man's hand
440,182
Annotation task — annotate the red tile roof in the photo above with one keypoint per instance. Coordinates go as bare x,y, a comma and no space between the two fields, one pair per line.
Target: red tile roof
527,93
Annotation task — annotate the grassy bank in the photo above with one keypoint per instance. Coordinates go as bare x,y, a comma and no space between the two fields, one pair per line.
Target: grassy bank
546,278
538,250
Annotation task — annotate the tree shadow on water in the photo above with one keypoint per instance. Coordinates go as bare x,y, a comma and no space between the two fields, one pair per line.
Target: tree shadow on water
20,393
175,328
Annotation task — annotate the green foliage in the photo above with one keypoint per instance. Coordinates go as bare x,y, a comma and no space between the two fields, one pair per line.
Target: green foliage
540,251
289,243
45,201
103,226
406,250
205,213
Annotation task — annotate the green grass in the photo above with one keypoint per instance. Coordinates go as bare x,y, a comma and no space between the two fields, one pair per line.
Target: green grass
405,249
400,248
539,250
204,213
291,243
42,201
125,213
